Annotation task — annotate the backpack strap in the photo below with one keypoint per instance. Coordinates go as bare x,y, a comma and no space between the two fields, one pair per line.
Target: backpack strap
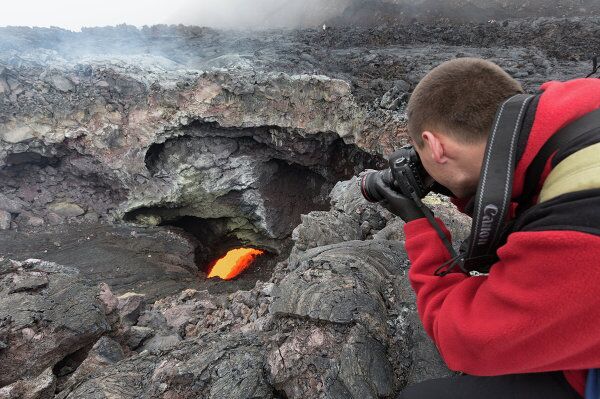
579,171
587,125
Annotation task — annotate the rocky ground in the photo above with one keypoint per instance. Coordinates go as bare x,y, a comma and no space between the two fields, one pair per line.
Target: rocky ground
130,159
335,319
377,12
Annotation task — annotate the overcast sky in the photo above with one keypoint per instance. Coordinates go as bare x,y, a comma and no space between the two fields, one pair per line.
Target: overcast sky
73,14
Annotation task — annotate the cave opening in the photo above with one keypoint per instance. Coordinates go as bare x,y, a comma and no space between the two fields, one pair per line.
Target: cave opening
44,181
215,239
31,158
246,188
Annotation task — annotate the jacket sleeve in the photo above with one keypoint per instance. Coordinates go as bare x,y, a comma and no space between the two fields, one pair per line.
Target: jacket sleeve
538,309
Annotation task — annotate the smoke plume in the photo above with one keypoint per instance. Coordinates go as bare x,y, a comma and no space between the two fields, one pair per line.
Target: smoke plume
259,13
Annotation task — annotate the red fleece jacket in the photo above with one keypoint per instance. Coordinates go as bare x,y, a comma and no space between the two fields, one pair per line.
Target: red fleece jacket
539,308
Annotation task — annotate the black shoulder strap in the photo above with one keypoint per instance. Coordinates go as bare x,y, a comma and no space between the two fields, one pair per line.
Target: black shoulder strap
494,191
495,184
589,124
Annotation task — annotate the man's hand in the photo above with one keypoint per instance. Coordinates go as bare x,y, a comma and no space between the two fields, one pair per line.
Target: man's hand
397,203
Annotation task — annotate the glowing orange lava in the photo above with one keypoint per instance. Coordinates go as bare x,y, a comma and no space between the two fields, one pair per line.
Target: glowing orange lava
234,262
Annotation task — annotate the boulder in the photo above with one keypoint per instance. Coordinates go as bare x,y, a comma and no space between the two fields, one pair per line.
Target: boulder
12,205
104,353
61,83
40,387
130,307
136,335
320,228
351,305
47,311
66,209
214,366
35,221
5,219
161,343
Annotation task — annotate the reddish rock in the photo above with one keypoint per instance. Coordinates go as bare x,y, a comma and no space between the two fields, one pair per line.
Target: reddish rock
130,306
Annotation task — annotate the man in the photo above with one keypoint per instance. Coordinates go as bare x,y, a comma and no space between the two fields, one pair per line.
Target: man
531,328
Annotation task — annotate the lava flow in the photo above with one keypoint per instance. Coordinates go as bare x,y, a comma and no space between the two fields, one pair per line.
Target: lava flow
234,262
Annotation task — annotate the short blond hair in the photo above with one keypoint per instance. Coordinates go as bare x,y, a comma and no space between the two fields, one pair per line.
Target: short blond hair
459,97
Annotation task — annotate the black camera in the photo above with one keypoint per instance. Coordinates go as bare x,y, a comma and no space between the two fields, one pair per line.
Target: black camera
406,175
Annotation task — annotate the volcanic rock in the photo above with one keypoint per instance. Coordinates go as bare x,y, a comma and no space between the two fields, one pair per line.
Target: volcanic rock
400,12
61,83
48,311
141,155
107,298
396,97
14,205
349,304
5,219
136,335
155,262
35,221
105,352
130,306
346,284
66,209
325,228
213,366
40,387
54,219
161,343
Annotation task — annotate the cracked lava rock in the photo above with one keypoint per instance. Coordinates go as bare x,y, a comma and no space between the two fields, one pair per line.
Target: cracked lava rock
132,158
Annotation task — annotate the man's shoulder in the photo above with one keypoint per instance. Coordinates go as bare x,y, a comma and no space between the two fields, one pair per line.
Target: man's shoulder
575,211
584,84
563,102
558,104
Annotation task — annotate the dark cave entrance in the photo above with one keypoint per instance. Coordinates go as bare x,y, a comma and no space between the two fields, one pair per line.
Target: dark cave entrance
47,175
214,239
286,172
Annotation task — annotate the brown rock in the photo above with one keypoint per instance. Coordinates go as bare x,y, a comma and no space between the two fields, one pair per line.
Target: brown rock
180,315
105,352
5,219
49,312
108,299
40,387
35,221
130,307
136,335
66,209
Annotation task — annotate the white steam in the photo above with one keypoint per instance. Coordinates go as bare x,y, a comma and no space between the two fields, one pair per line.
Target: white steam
74,14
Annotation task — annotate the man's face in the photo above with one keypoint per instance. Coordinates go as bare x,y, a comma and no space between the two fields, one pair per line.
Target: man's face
453,164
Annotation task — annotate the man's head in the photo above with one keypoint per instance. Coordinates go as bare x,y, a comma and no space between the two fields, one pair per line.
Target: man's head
450,114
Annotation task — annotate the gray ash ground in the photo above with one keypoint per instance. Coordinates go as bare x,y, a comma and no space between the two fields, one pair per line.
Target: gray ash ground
373,56
129,158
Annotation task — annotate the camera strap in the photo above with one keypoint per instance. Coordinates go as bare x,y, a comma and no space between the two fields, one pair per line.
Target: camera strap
494,191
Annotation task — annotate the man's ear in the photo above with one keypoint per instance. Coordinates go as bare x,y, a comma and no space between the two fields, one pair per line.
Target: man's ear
434,142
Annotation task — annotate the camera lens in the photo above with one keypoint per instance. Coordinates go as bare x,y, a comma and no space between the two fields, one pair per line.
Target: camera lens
369,183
